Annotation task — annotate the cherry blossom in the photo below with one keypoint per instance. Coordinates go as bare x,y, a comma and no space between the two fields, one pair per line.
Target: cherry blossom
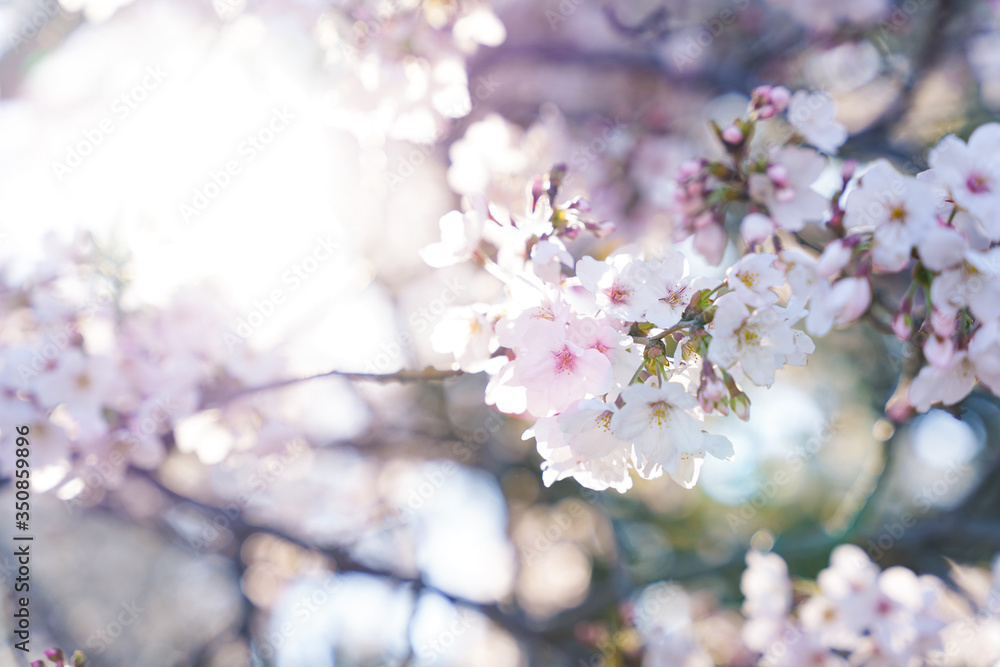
753,277
813,115
898,208
971,172
785,187
579,443
663,425
761,341
555,372
671,288
620,285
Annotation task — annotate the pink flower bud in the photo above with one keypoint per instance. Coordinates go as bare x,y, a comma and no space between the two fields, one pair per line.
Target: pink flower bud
939,351
740,404
712,389
834,258
710,242
756,227
537,190
899,409
780,96
779,174
704,220
902,326
602,229
766,111
942,324
761,95
858,297
785,195
848,169
732,135
690,168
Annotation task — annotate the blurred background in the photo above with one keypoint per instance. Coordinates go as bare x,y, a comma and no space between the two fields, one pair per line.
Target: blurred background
257,177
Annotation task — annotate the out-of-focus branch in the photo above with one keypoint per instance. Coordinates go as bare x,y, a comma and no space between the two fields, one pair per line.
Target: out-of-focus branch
427,375
874,140
515,622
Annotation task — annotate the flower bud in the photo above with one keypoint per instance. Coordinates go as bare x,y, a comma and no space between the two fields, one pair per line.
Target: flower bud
858,297
848,169
939,351
756,227
732,135
537,190
780,96
761,94
902,326
741,406
899,409
601,229
779,174
942,324
835,257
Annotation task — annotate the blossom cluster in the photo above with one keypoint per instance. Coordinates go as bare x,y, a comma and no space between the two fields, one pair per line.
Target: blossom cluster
620,357
103,387
940,226
854,613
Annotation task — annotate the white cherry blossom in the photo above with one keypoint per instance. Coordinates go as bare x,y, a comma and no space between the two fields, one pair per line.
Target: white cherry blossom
761,341
899,209
621,285
971,172
556,372
579,443
786,188
664,426
753,277
814,116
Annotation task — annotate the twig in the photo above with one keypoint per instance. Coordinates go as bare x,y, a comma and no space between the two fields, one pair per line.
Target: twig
428,375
